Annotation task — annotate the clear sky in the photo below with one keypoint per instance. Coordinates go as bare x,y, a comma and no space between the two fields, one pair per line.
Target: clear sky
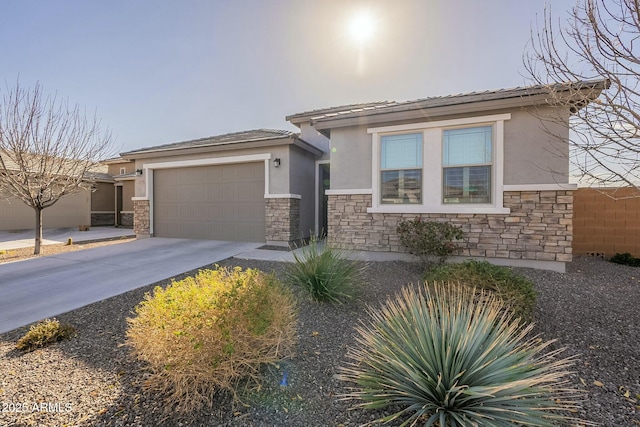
160,71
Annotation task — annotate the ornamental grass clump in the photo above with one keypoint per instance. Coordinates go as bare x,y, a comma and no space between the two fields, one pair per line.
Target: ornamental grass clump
443,356
325,273
44,333
211,332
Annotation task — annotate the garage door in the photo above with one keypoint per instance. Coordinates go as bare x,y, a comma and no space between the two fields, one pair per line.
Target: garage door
223,202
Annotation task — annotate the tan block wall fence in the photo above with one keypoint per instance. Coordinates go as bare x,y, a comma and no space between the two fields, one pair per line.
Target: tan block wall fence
607,221
538,228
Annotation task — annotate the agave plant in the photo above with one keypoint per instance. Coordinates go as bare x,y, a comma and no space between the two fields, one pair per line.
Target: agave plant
446,355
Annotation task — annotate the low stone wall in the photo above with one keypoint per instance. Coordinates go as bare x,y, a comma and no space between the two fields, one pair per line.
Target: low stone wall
126,219
282,220
102,218
539,227
141,217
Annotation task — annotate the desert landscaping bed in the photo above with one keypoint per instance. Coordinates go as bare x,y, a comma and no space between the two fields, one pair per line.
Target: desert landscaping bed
90,380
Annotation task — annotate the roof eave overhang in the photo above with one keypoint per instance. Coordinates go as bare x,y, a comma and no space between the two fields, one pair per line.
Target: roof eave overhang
426,113
570,96
221,147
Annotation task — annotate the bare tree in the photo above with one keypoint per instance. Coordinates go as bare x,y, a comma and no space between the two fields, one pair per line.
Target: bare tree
47,149
600,40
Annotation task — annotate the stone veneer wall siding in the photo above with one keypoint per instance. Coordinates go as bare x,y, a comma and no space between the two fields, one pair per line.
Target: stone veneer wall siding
538,228
126,219
141,217
282,219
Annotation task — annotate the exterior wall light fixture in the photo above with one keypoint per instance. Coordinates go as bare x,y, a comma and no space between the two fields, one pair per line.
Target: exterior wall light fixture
276,162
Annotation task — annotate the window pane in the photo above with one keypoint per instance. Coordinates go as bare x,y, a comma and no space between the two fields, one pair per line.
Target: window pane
467,146
401,151
453,185
470,184
402,186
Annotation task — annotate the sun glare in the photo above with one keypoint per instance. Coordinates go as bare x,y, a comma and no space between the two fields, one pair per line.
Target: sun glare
362,26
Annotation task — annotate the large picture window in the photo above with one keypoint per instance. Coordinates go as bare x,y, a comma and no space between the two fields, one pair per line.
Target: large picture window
467,160
401,168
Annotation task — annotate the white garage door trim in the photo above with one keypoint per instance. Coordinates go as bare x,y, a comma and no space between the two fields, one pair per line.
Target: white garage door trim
200,162
149,167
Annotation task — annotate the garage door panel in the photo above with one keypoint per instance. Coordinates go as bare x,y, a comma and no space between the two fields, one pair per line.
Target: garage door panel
224,202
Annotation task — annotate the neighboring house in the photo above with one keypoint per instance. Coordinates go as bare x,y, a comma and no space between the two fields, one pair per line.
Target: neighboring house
72,210
112,203
256,185
486,161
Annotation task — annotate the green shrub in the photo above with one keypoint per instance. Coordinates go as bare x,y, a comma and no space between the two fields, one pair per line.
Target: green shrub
625,259
325,273
437,356
44,333
207,333
515,290
432,241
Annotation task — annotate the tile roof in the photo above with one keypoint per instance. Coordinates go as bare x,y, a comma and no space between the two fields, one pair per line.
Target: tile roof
366,109
95,169
228,138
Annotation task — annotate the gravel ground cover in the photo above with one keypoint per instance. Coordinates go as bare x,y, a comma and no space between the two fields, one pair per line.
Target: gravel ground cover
91,381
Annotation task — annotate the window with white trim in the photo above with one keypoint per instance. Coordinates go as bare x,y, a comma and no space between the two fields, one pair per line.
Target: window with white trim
466,165
440,166
401,169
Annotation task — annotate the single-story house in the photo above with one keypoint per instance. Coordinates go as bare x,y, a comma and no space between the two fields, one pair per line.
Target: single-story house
495,163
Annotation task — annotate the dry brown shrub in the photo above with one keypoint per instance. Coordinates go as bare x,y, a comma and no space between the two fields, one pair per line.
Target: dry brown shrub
207,333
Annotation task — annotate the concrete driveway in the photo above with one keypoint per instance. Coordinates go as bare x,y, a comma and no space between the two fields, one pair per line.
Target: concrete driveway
38,288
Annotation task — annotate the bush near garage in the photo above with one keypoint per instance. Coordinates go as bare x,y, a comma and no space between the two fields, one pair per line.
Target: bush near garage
207,334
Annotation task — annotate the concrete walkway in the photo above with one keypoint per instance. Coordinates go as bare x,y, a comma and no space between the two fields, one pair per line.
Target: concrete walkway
43,287
288,256
53,236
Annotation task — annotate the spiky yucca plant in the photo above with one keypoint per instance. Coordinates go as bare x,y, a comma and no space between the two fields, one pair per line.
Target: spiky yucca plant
326,273
446,355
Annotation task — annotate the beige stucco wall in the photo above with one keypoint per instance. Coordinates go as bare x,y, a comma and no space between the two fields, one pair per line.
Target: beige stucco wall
530,153
128,191
350,158
532,156
103,199
278,177
70,211
114,168
309,134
